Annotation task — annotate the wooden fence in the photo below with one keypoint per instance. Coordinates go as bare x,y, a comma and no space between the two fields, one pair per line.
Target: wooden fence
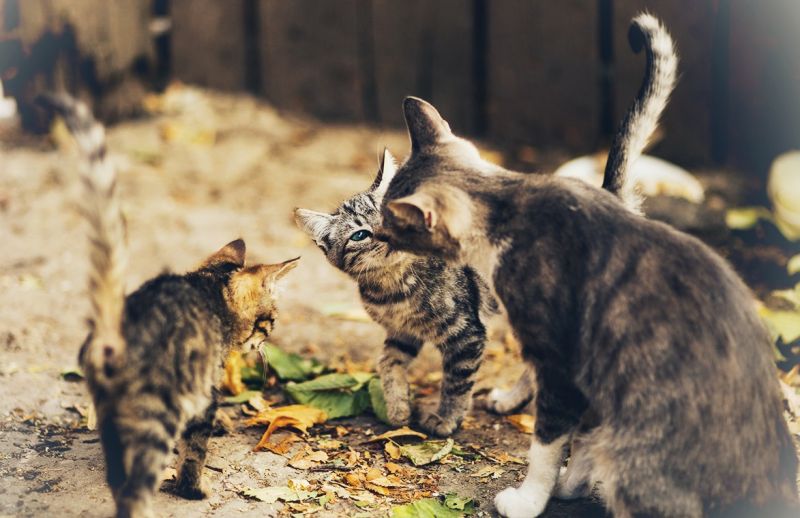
540,73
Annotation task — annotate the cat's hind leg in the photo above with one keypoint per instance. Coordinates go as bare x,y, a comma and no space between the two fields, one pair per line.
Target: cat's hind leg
506,401
192,449
392,368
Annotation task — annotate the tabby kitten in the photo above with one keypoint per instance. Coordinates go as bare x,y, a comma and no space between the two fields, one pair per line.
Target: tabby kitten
640,325
417,300
152,359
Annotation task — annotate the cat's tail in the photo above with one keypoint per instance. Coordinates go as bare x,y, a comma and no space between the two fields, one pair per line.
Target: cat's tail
104,350
641,120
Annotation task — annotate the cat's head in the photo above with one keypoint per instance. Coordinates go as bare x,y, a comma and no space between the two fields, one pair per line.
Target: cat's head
346,236
427,208
250,292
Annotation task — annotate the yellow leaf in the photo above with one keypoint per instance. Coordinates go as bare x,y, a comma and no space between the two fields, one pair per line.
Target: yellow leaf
299,417
307,459
378,489
522,422
282,447
400,432
392,450
232,381
372,474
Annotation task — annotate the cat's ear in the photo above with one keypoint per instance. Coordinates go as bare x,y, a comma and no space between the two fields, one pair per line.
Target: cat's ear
273,272
385,174
231,254
426,127
313,223
442,209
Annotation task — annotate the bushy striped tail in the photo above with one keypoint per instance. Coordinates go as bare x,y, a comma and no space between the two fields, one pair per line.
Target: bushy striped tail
642,117
105,347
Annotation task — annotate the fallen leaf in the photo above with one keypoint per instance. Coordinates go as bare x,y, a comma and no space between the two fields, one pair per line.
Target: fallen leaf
339,395
392,450
299,417
426,508
307,459
459,503
243,397
502,457
522,422
232,382
272,494
73,374
346,312
282,447
746,217
793,265
785,324
405,431
426,452
289,366
488,471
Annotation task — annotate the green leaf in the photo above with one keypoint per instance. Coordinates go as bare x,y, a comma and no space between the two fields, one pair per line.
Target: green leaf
377,400
425,508
339,395
426,452
241,398
458,503
783,323
746,217
289,366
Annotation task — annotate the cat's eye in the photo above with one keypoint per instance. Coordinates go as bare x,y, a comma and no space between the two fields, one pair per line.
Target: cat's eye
360,235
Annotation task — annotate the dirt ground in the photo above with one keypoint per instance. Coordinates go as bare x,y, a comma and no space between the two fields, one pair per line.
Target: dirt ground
209,169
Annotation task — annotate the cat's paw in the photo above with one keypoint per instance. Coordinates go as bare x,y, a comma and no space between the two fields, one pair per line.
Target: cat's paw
198,490
501,401
570,486
434,424
518,503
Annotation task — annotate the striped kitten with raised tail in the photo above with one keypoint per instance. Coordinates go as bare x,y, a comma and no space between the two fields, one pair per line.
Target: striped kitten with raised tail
417,300
627,320
152,359
632,137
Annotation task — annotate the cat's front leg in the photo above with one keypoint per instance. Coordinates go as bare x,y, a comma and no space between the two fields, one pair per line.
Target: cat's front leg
559,407
461,358
392,368
192,449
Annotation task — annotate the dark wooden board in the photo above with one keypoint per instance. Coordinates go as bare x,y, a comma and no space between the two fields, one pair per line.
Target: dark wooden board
543,73
208,43
310,57
686,123
425,49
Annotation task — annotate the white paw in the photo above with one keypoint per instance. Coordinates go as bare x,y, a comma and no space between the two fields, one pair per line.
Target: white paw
517,503
500,401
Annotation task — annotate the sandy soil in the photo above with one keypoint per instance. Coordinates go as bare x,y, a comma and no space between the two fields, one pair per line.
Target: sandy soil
209,169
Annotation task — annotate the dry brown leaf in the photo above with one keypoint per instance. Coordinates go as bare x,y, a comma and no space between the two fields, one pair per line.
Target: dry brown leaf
282,447
392,450
502,457
352,458
387,482
352,480
385,491
522,422
299,417
372,474
488,471
341,431
308,458
232,382
400,432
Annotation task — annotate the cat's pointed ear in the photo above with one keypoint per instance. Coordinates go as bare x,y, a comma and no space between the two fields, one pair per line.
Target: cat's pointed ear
417,211
277,271
385,174
426,127
313,223
231,254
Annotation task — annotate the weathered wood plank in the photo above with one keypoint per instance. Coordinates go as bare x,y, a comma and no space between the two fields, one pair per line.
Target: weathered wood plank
309,55
686,123
764,103
208,43
543,82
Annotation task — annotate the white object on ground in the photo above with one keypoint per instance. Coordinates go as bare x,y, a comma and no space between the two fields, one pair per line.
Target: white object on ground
652,176
783,188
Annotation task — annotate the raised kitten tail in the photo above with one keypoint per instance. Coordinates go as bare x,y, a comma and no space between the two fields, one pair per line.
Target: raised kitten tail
641,120
105,347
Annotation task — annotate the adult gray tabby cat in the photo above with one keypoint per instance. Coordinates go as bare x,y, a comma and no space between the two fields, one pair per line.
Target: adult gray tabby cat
152,359
419,300
626,320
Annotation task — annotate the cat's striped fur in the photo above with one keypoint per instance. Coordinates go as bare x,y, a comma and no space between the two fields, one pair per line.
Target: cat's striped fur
152,360
417,300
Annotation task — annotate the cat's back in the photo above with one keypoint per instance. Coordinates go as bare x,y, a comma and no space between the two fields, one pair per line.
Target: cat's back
170,310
